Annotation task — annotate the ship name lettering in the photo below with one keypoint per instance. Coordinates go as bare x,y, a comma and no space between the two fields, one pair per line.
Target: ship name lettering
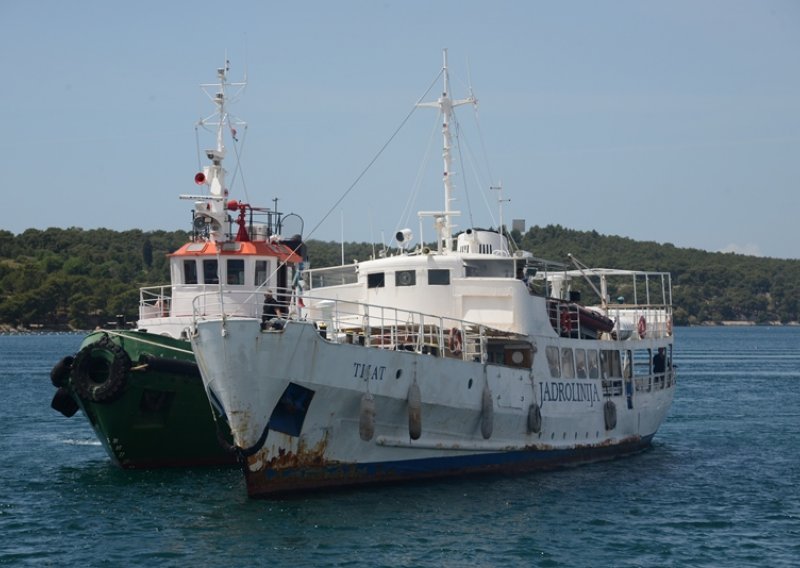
368,372
556,391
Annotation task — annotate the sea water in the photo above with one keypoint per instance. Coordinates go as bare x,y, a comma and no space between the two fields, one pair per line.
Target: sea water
720,487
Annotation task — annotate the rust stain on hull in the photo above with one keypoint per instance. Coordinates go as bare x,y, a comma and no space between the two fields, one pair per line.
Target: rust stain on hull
305,457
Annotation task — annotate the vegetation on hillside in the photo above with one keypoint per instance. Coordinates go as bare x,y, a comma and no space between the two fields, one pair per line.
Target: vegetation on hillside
83,278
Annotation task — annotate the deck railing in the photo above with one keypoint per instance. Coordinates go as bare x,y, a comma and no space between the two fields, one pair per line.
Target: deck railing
342,321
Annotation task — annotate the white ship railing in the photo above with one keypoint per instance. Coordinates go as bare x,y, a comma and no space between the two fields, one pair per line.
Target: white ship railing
204,299
357,323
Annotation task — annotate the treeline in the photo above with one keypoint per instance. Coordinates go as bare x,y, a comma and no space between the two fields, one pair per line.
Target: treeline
83,278
79,278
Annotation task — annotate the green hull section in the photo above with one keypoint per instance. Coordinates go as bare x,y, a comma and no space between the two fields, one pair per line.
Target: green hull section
144,398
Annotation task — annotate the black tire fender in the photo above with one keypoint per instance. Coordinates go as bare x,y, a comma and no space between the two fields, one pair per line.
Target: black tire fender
100,371
59,374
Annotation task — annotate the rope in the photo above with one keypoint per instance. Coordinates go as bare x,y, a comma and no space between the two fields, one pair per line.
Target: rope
406,214
461,163
238,170
374,159
139,339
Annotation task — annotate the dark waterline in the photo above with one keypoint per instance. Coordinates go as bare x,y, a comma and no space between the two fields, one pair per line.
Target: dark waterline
719,487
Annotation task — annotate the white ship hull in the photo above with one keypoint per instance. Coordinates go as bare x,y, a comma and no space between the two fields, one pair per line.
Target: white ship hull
295,404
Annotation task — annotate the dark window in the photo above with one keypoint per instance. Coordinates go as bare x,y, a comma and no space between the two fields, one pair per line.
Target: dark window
189,272
376,280
235,271
438,277
405,278
210,272
261,272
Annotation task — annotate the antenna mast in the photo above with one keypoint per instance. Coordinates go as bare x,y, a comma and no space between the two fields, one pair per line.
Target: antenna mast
446,105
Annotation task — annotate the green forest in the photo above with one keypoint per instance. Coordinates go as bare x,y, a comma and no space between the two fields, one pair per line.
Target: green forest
78,279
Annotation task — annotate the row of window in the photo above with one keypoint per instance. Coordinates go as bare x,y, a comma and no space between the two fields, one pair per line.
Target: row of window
436,277
208,272
570,363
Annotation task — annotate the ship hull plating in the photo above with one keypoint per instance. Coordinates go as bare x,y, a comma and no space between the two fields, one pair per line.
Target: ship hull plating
307,412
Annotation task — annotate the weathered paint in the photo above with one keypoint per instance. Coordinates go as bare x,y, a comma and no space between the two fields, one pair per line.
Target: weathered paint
309,471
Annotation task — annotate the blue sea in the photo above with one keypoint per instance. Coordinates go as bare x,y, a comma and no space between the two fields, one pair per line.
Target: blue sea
721,487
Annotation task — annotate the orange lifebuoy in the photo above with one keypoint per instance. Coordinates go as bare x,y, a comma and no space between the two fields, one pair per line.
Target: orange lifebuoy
455,342
566,321
642,327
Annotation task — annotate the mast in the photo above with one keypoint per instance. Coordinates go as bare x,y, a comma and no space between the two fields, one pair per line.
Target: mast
210,215
446,105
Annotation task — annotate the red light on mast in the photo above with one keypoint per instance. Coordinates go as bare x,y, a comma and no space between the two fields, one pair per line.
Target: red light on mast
200,178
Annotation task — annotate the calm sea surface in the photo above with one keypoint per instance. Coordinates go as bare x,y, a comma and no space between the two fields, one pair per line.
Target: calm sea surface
721,487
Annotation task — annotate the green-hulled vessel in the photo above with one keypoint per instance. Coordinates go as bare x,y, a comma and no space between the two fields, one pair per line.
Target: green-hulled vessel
140,388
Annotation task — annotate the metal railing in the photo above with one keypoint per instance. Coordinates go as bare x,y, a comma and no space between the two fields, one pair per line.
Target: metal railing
651,321
369,325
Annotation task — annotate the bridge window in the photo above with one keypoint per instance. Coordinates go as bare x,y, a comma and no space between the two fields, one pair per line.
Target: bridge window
405,278
210,275
235,271
189,272
376,280
262,268
438,277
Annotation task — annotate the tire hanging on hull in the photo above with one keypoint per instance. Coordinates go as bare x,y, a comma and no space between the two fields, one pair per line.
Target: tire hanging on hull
59,374
100,371
64,403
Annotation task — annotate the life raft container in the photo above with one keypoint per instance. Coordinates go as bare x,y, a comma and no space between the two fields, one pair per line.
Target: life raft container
595,321
100,371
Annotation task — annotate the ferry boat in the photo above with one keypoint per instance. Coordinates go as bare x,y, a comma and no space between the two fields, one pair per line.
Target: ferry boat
140,388
463,357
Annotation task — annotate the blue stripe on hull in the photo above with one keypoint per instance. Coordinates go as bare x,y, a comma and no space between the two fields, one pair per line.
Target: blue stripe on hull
287,480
